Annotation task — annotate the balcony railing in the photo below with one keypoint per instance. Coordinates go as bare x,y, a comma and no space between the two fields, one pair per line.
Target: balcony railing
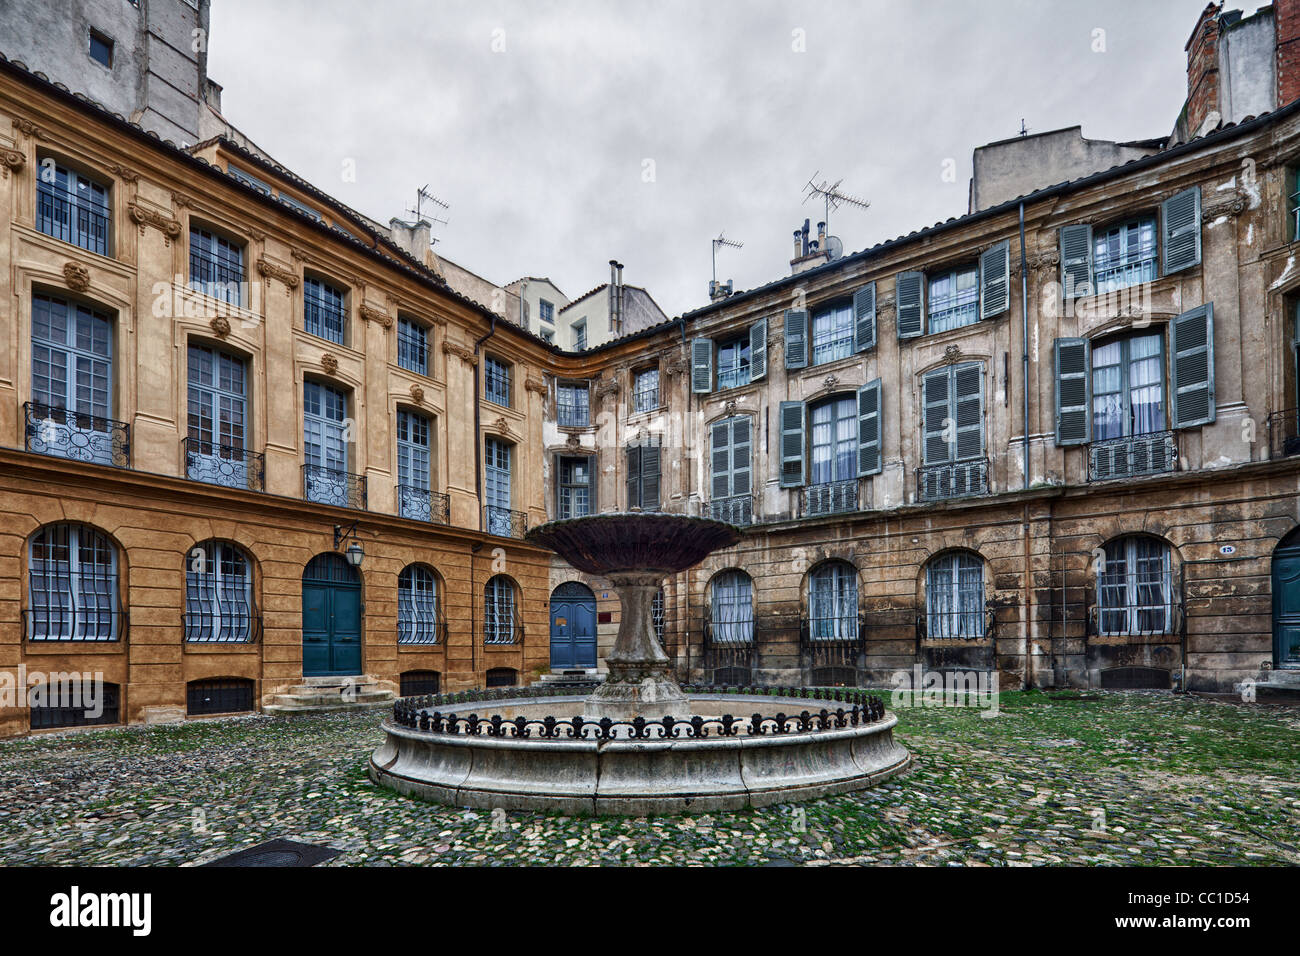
504,522
504,632
1284,433
738,509
1149,454
732,376
63,433
972,624
423,504
573,414
329,486
82,220
959,479
223,465
830,498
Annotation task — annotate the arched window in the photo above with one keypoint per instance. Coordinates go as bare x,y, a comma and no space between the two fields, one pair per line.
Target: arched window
954,596
1135,587
500,622
731,608
72,585
418,617
219,594
833,602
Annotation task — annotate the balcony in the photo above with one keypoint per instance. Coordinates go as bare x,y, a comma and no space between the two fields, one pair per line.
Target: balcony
738,510
1284,433
423,504
503,522
830,498
1150,454
223,465
328,486
420,624
959,479
63,433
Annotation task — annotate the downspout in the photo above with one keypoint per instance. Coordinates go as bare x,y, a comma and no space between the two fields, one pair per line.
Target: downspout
685,575
1024,384
478,438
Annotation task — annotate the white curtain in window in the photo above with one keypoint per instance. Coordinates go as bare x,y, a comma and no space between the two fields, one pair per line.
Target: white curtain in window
733,608
954,594
833,603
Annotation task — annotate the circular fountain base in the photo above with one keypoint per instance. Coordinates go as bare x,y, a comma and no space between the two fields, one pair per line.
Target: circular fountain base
753,765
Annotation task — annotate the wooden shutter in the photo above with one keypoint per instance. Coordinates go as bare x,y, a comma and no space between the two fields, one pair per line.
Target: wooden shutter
592,482
792,416
864,318
634,476
701,365
968,405
1191,361
995,280
908,295
869,458
936,390
650,477
1076,260
720,460
758,350
1180,239
741,443
1073,415
796,338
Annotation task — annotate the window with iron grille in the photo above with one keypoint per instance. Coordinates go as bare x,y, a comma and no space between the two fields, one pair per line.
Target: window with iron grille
573,405
1135,587
731,608
496,381
412,346
574,487
496,475
417,606
216,266
502,677
73,704
833,602
219,594
499,611
734,363
216,405
580,335
954,596
73,208
414,461
72,585
325,446
323,314
226,695
72,369
657,615
954,299
645,390
419,683
1124,255
832,332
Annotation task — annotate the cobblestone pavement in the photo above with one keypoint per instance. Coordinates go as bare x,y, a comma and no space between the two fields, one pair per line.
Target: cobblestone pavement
1098,778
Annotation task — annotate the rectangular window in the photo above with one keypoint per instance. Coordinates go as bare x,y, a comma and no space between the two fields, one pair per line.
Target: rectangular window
733,363
645,390
643,477
731,486
574,487
216,266
101,49
834,441
580,335
72,383
73,208
217,410
548,335
572,406
546,311
1135,587
1124,255
249,179
293,203
325,448
954,299
412,346
413,466
323,313
496,455
832,332
496,381
1128,387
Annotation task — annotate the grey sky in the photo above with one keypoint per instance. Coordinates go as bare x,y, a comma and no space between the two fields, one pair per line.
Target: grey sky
541,148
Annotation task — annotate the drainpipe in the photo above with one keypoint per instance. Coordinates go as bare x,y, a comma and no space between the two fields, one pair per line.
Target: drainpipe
478,439
1024,384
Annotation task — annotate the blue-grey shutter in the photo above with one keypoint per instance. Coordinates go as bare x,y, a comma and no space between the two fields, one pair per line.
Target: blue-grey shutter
1191,360
864,318
792,441
995,280
634,476
592,482
796,338
936,390
908,292
741,483
758,349
1181,230
968,403
1076,260
869,458
1072,386
701,365
650,477
720,460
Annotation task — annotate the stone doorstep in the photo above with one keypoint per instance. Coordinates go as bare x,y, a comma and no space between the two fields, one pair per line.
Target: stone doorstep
320,700
325,708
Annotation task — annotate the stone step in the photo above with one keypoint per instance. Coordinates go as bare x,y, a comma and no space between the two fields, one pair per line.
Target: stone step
328,699
1280,678
287,709
360,687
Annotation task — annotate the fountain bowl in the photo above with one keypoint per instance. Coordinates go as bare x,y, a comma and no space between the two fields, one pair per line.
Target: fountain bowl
639,541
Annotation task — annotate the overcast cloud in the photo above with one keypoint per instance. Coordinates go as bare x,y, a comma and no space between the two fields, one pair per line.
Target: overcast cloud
540,149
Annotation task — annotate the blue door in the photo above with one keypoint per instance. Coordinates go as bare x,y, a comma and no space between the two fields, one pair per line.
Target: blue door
331,618
573,627
1286,605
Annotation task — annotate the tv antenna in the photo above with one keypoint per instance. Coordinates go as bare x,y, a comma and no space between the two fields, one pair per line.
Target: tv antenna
832,195
722,240
423,197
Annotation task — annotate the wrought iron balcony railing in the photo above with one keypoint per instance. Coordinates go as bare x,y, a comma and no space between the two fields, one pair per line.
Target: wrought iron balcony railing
1132,455
63,433
423,504
503,632
738,509
81,220
223,465
974,624
958,479
329,486
1284,433
830,498
729,652
504,522
572,414
221,619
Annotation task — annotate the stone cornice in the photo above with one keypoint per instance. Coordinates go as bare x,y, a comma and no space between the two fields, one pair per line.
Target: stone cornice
371,314
465,355
269,270
167,225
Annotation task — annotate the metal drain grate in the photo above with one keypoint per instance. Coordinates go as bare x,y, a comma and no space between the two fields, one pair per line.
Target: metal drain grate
278,853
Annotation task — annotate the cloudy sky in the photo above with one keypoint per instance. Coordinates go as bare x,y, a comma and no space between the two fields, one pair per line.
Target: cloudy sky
564,134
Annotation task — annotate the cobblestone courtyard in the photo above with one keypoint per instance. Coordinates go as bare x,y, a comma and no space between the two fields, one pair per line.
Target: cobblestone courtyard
1069,778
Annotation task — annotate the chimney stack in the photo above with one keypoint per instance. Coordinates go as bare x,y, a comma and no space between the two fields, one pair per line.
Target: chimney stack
1203,71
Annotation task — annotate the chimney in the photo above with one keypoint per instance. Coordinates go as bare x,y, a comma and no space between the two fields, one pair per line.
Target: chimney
798,244
808,253
1203,71
413,238
1286,21
821,234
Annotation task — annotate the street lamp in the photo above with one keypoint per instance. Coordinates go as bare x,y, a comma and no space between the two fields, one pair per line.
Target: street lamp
354,553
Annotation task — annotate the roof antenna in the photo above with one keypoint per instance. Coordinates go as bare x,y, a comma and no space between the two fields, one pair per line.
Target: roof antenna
833,196
422,196
722,240
1023,130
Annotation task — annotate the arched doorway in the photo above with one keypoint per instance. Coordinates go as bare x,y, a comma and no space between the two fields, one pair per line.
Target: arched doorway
573,626
331,617
1286,602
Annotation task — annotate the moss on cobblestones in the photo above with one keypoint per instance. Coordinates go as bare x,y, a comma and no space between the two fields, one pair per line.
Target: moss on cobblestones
1126,778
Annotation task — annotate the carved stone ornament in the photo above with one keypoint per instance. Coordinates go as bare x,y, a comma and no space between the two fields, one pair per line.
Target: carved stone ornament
829,382
371,314
462,353
28,128
167,225
573,441
1231,207
606,388
76,276
674,362
182,200
12,159
952,354
417,394
502,425
730,407
220,326
269,270
535,385
1038,262
885,306
329,363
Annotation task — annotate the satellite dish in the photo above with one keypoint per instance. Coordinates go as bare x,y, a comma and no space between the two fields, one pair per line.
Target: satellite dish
834,247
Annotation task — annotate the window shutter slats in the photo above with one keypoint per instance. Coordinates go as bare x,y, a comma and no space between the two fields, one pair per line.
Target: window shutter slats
864,318
740,452
1072,387
995,272
1181,238
721,460
758,350
701,365
1076,260
869,459
796,338
908,294
792,444
1191,351
634,476
969,410
650,477
592,482
936,390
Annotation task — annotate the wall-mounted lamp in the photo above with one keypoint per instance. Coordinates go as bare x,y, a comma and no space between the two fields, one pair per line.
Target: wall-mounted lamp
355,554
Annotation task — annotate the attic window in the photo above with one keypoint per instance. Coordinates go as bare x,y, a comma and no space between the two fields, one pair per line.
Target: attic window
101,49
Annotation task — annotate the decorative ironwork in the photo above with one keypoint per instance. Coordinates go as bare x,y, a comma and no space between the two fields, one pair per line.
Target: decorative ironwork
231,695
71,706
737,510
1284,433
831,497
223,465
503,632
1149,454
504,522
332,487
82,218
423,504
959,479
420,683
832,660
975,625
63,433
